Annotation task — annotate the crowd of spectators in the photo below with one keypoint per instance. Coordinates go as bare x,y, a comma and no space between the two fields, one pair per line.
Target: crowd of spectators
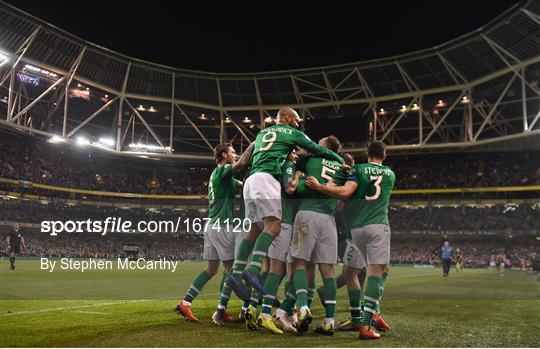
32,159
477,250
92,245
461,218
482,233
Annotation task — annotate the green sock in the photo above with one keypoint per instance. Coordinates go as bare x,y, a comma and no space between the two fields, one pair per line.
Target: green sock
197,285
301,285
310,292
242,255
271,285
222,282
245,305
259,252
355,306
330,291
225,294
290,299
383,280
371,298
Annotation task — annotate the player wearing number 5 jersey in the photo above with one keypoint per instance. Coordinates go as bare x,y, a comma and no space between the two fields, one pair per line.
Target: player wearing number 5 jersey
315,235
219,237
262,195
368,189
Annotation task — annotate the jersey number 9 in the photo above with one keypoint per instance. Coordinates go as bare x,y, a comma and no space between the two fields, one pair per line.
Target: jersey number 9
269,138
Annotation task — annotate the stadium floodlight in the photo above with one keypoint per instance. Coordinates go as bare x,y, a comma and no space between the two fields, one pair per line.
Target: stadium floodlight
81,141
57,139
382,112
141,108
246,120
152,109
40,71
415,107
228,120
148,147
203,117
3,59
465,100
403,108
440,104
106,141
268,120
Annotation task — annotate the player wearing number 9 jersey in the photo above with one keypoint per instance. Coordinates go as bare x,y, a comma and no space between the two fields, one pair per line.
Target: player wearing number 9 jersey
368,189
262,195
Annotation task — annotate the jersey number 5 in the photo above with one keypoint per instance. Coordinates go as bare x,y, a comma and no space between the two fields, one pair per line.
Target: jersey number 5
327,173
377,185
269,138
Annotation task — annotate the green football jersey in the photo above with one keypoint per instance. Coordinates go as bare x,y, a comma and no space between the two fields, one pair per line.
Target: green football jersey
288,204
325,171
274,143
369,202
221,194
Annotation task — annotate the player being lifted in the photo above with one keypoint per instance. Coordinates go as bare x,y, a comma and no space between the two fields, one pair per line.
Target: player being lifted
278,251
219,236
369,187
315,235
262,196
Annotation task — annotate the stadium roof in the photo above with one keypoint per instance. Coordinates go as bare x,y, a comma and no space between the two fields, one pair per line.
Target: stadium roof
492,61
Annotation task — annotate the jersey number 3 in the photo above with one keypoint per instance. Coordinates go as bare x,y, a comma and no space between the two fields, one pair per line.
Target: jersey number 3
376,180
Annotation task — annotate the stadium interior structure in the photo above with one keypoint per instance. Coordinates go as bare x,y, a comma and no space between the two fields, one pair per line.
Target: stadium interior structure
83,128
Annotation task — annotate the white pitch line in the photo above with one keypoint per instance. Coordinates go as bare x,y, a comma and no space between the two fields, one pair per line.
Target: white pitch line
90,312
73,307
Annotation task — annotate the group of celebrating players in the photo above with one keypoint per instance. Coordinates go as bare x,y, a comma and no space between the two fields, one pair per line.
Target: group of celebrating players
291,204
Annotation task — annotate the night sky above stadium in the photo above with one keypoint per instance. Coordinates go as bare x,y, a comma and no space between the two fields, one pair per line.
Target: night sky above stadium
240,38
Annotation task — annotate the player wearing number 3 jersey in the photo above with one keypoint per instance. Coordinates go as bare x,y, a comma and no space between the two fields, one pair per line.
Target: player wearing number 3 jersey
262,195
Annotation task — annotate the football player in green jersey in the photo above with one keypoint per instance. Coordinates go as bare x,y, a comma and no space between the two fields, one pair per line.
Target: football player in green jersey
354,267
278,251
315,235
368,189
219,237
262,195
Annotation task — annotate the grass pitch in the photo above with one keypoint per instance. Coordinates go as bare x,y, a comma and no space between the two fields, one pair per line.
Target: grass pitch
134,308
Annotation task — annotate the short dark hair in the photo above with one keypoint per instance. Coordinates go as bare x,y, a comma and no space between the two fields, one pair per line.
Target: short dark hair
348,158
377,150
333,143
220,149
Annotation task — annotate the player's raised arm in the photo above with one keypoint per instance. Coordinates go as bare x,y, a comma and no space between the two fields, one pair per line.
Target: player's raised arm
243,161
